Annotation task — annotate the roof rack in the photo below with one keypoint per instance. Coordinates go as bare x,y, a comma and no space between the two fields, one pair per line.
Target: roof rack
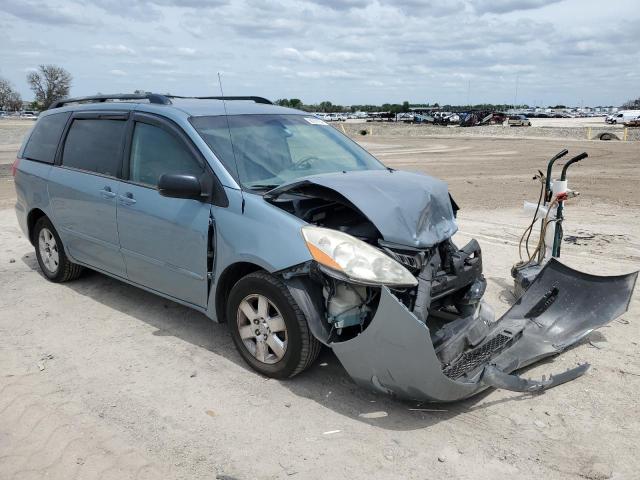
252,98
152,97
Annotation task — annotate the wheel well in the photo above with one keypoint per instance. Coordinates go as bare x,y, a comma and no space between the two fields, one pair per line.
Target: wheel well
34,215
227,280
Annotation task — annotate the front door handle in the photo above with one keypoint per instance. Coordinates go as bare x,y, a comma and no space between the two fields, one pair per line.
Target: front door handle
127,199
107,193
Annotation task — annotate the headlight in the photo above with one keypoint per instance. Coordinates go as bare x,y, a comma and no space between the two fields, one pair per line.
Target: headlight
354,258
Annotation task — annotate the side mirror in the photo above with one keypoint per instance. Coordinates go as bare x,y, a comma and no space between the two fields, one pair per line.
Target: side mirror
179,186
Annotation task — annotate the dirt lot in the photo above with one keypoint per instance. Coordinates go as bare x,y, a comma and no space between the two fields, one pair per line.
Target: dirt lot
102,380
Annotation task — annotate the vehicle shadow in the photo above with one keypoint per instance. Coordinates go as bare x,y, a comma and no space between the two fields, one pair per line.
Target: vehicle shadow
326,382
505,294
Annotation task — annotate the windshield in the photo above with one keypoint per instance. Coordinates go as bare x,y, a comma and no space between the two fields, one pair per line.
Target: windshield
274,149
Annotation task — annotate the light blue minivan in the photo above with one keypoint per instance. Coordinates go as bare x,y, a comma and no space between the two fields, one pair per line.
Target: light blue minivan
273,221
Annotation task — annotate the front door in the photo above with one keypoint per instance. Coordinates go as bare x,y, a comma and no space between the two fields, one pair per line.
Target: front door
83,187
163,240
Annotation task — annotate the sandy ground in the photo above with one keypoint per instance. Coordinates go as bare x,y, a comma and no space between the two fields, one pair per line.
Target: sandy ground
101,380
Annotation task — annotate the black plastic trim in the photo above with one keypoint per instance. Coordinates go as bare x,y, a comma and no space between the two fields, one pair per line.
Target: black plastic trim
151,97
251,98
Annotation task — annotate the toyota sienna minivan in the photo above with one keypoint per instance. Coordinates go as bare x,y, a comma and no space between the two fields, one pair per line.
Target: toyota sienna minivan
271,220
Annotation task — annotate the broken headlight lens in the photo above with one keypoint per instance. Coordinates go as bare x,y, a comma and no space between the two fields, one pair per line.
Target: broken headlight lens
354,258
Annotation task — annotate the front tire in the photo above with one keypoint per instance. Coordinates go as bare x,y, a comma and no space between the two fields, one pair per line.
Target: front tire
53,262
268,328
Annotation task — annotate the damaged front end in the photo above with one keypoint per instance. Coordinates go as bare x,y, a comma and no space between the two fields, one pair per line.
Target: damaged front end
433,338
396,353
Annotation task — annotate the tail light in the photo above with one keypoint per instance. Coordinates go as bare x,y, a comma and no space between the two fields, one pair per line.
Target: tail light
14,167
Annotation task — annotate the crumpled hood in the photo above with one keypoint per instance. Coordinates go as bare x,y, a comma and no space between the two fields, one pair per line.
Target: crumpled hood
408,208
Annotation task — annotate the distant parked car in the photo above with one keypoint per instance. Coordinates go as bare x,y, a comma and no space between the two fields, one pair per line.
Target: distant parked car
519,121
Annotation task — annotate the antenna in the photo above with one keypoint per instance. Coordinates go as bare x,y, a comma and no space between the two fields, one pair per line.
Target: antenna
233,150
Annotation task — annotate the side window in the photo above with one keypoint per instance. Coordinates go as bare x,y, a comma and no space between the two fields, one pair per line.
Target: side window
43,142
95,145
155,151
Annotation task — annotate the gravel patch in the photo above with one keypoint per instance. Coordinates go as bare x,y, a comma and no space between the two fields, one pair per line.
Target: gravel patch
13,131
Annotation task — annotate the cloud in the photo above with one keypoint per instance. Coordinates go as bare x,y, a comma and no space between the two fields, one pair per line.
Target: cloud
118,73
114,49
41,12
151,9
342,4
425,8
186,51
507,6
345,51
291,53
326,74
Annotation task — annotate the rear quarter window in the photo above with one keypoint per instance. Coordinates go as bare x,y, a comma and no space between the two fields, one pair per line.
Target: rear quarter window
43,142
95,145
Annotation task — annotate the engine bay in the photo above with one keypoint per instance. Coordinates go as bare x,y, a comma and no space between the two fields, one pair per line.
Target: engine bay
450,283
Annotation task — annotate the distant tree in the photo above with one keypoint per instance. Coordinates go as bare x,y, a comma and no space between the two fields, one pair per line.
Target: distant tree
295,103
49,84
405,106
326,107
283,102
5,91
14,102
632,104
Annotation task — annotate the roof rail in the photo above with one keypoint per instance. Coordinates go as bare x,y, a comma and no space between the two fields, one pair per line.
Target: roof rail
253,98
152,97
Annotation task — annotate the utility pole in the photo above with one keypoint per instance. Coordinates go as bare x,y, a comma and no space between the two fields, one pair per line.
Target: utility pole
515,98
468,92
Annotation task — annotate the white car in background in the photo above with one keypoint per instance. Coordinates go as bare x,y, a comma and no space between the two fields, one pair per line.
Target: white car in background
622,116
518,121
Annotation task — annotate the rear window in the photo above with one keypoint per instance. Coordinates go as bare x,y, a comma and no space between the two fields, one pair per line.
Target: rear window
95,145
43,142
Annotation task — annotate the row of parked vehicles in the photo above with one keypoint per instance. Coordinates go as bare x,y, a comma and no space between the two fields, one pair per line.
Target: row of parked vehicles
341,117
24,114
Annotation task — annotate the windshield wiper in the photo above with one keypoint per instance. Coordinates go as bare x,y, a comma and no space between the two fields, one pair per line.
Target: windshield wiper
263,186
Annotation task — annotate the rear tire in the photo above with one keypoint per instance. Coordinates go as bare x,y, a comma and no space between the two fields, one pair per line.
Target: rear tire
54,264
268,328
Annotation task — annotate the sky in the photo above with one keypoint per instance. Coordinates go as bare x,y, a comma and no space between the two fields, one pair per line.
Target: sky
538,52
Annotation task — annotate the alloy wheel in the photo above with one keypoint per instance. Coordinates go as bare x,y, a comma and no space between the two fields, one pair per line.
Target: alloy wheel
262,328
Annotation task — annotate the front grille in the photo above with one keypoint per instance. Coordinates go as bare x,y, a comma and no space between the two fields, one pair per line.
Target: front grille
412,262
472,359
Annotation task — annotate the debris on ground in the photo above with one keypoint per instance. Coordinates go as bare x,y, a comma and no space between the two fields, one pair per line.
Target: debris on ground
379,414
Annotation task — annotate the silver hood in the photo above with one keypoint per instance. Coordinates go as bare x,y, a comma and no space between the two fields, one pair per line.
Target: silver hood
407,208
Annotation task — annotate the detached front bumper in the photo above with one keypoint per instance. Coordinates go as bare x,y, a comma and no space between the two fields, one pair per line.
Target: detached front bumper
395,354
